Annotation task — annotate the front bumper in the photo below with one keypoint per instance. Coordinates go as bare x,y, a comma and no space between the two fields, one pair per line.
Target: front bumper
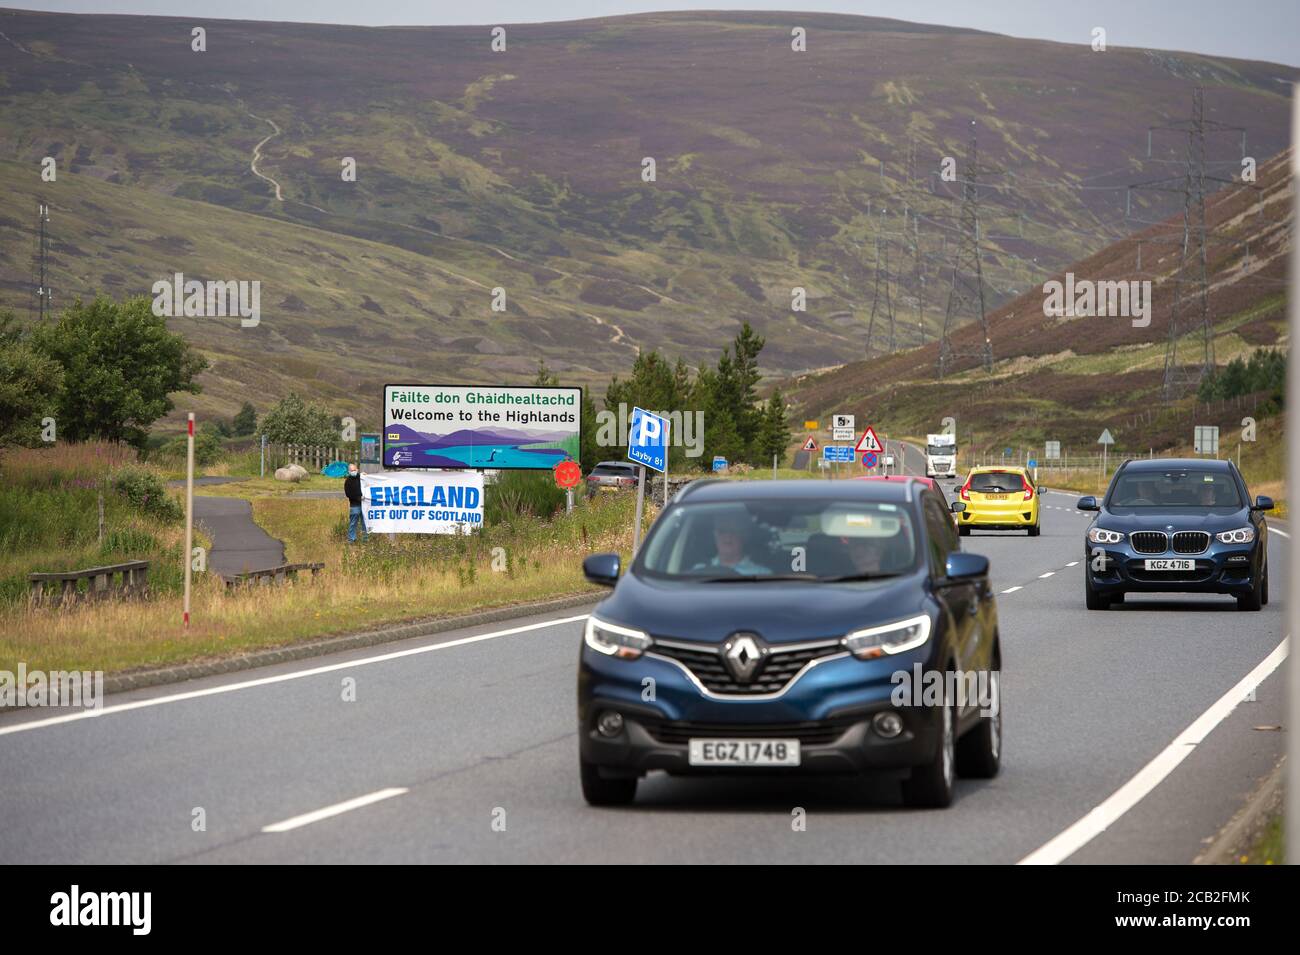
844,745
829,710
1223,569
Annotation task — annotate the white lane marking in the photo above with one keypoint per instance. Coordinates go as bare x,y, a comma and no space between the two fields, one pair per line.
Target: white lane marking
1274,530
1067,843
1048,574
1012,590
1073,563
337,809
281,678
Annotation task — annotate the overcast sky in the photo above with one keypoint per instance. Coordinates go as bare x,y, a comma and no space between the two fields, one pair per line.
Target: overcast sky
1256,30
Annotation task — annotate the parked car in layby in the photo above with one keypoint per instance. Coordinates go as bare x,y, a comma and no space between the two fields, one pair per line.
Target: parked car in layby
611,476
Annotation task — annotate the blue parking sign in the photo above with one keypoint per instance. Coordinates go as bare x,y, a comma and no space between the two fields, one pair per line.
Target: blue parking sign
647,440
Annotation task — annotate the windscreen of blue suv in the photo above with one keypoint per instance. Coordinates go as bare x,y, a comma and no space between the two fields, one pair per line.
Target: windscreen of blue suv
763,627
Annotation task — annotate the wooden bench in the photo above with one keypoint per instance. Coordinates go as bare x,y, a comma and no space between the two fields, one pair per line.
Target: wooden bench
273,575
116,580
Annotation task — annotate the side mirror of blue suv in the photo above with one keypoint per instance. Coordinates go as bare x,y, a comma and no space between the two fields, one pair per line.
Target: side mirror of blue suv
1263,503
963,566
602,569
1088,503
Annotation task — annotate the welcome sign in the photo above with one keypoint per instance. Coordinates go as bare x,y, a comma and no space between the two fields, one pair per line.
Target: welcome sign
422,502
472,426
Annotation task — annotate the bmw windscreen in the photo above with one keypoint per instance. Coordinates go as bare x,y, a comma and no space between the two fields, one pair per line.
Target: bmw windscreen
1175,488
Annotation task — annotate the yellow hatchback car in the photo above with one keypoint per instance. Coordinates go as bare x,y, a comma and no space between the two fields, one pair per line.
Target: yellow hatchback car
1001,499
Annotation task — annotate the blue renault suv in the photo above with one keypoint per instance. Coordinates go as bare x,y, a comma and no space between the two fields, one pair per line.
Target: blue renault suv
1176,525
781,627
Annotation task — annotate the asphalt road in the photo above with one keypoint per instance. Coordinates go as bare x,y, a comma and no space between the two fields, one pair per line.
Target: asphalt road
465,744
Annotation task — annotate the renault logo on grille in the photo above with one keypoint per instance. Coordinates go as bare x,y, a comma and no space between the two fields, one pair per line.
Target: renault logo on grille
743,653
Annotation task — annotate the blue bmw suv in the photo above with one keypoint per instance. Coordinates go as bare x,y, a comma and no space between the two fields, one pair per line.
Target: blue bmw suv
793,627
1176,525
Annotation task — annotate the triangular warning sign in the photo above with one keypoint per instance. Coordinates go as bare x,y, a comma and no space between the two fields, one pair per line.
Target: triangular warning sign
810,445
869,441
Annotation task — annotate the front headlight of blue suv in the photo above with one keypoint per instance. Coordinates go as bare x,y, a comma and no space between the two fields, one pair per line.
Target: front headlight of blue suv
615,641
1239,535
1099,535
874,642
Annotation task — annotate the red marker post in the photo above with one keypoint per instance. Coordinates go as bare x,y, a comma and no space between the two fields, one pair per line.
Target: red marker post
189,511
568,475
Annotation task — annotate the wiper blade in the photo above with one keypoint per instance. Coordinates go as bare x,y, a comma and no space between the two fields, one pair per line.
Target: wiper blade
851,577
749,578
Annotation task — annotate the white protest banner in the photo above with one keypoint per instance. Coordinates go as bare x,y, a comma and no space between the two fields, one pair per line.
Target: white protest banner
422,502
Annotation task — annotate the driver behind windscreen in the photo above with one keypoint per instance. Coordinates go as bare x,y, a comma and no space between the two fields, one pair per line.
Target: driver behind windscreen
867,554
731,532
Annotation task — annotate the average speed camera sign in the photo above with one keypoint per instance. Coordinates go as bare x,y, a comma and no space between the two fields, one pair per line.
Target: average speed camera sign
842,427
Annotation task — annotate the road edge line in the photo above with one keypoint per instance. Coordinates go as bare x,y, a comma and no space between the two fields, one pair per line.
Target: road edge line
1070,840
179,673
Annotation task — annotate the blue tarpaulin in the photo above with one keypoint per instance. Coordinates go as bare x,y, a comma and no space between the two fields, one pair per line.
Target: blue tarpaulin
335,469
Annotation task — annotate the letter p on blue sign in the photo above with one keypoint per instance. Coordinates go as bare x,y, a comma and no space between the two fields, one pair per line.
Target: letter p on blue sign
648,440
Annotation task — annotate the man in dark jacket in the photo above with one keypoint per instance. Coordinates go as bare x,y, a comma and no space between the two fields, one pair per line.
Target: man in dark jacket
352,488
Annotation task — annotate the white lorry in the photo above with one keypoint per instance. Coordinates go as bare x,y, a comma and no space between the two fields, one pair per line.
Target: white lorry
940,455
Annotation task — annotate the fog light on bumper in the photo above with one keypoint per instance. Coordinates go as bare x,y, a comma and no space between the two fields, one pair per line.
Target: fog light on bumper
610,723
887,724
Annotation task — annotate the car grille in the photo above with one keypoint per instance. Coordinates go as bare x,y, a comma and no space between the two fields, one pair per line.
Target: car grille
1149,542
1191,542
808,734
774,675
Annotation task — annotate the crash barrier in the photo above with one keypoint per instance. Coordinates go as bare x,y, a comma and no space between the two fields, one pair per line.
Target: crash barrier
272,575
114,581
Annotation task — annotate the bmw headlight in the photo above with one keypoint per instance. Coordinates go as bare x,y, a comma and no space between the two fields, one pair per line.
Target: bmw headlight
1240,535
1099,535
615,641
875,642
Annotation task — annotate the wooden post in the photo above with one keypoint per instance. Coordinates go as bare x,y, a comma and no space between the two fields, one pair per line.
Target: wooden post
189,510
640,502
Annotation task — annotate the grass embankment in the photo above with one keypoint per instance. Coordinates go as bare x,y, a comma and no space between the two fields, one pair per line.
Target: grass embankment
1270,848
516,559
1262,463
49,516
